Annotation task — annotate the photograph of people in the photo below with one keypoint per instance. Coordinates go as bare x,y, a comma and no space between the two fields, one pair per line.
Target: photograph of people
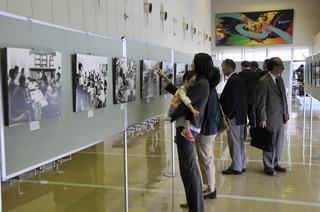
90,82
124,80
167,68
34,85
149,79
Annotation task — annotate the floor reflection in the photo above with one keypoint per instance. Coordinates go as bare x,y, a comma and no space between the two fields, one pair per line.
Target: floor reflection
93,179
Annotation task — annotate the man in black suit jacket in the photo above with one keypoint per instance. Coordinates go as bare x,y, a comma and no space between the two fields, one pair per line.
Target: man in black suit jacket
250,79
233,101
265,68
255,67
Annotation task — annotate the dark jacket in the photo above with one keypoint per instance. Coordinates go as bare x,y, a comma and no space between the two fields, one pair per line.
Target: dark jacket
198,95
233,99
250,79
212,114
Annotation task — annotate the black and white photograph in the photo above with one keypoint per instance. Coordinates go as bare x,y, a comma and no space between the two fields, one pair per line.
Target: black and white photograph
124,80
90,82
180,69
149,79
33,85
189,67
167,68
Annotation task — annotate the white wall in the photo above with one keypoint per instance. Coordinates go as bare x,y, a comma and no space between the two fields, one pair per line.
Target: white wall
106,17
306,17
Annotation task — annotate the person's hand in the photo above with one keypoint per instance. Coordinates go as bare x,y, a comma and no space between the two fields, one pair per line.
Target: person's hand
262,124
163,75
160,73
287,117
195,113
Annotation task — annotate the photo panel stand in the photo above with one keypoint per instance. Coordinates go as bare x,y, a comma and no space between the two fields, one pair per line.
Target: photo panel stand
310,125
173,173
304,114
125,145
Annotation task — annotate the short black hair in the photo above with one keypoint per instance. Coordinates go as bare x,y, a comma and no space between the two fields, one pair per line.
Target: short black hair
231,63
12,73
22,81
245,63
80,66
188,75
216,77
254,64
272,62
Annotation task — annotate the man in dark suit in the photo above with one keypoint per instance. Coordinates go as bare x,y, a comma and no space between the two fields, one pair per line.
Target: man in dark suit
233,101
264,67
250,79
272,113
255,67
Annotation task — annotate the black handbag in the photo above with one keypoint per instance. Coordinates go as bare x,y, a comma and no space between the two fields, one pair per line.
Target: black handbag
262,139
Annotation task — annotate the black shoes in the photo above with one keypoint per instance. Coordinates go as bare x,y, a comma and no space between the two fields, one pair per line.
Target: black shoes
230,171
270,171
212,195
279,168
184,206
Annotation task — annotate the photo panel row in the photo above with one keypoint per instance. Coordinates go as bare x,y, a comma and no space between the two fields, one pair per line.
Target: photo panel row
32,91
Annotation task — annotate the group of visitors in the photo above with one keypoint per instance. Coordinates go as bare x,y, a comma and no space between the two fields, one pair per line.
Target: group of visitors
254,94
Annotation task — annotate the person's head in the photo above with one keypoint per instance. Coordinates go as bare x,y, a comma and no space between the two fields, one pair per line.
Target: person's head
254,65
245,64
265,64
80,67
216,77
58,76
13,73
202,64
275,66
22,81
189,79
228,67
301,67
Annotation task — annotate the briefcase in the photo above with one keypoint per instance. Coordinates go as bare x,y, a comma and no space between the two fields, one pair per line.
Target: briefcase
262,139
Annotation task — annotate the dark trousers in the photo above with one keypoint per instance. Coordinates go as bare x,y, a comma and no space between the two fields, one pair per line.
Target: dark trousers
251,109
189,172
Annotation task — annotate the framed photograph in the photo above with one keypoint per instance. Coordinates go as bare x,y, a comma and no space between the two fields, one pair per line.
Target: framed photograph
33,90
149,79
90,86
167,68
124,80
254,28
188,67
180,69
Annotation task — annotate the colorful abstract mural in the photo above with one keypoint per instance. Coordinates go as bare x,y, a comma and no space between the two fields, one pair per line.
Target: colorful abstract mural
254,28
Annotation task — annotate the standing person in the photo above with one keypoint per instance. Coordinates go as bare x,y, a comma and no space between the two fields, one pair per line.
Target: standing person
264,67
255,67
250,79
272,113
189,79
205,139
202,64
233,101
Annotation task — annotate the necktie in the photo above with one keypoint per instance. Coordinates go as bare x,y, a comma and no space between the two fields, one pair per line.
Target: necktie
278,86
281,96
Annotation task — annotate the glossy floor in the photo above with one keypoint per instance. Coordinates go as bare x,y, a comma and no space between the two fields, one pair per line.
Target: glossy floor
93,180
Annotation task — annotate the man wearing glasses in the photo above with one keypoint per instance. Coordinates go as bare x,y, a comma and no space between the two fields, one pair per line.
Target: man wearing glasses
272,113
